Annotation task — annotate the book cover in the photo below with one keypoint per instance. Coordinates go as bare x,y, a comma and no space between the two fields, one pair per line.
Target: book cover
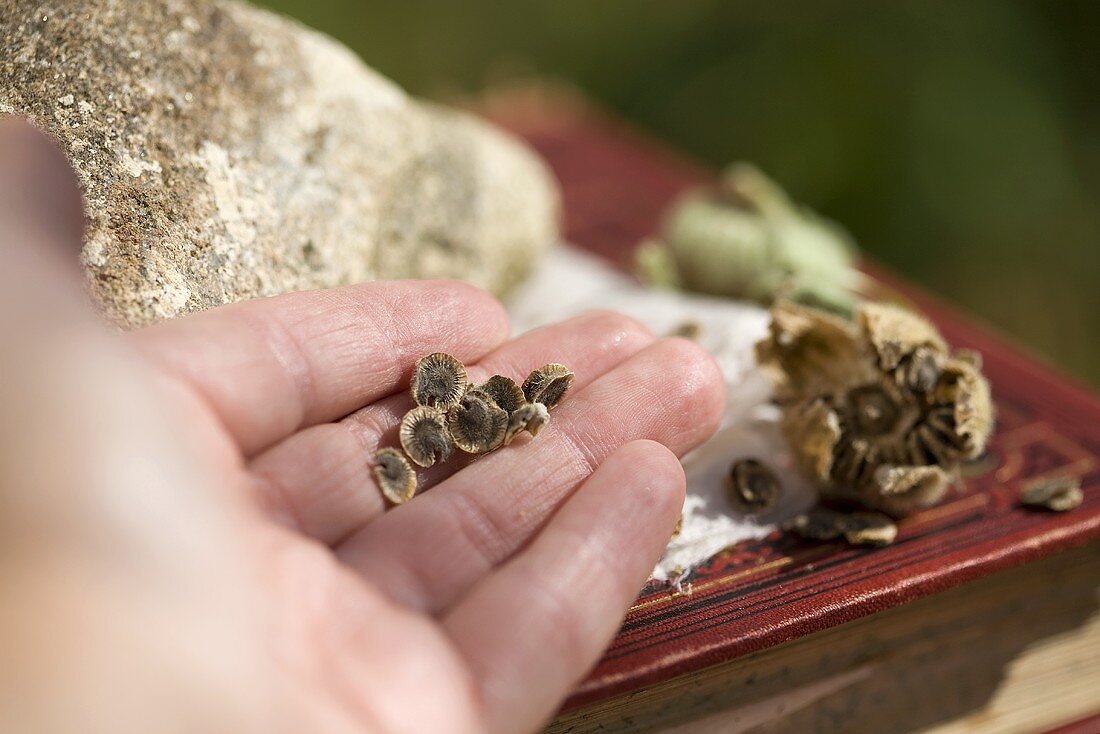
616,184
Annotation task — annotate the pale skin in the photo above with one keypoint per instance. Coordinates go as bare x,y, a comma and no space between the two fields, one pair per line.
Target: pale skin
191,539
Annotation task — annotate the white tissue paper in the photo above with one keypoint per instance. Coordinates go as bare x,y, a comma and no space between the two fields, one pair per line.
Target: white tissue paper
569,281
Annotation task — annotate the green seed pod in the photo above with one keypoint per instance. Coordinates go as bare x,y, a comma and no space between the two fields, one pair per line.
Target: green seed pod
749,240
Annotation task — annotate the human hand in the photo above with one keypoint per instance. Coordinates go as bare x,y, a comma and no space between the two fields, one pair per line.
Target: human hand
192,539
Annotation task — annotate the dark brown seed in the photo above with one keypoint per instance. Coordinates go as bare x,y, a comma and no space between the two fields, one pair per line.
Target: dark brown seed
817,523
439,381
425,437
395,476
923,371
688,330
869,528
504,391
752,487
530,417
477,425
548,385
1058,495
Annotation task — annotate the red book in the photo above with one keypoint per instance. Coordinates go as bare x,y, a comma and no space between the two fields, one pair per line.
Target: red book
760,594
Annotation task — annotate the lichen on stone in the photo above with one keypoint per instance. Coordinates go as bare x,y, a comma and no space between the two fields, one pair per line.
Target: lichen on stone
878,411
225,153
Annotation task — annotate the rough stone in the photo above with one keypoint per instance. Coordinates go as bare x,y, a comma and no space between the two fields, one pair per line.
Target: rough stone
226,153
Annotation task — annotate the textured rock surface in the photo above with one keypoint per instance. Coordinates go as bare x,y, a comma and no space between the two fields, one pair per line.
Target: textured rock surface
227,153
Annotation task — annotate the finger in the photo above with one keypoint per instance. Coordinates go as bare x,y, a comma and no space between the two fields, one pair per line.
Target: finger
121,563
428,553
530,630
273,366
320,479
41,224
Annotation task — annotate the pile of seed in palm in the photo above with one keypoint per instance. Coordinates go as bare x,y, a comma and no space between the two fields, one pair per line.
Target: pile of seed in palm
477,419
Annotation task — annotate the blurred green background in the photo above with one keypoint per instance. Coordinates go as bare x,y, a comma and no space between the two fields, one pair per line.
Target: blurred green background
958,142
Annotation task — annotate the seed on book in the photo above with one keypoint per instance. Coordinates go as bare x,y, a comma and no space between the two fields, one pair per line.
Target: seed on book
548,384
687,330
394,475
752,487
869,528
504,391
817,523
1059,494
530,417
439,381
425,437
477,425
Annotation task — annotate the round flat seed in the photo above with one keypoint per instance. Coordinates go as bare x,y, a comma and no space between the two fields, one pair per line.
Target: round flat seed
425,437
869,528
476,423
548,384
1060,494
530,417
752,487
395,476
504,391
439,381
818,523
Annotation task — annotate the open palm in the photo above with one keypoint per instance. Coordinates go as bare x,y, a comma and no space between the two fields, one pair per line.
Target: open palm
272,578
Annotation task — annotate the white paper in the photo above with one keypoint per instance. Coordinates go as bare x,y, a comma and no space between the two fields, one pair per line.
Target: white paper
568,282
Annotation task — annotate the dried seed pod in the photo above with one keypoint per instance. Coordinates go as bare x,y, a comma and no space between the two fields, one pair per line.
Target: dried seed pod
752,487
395,476
530,417
869,528
1059,494
439,381
425,437
504,391
477,425
817,523
548,384
879,411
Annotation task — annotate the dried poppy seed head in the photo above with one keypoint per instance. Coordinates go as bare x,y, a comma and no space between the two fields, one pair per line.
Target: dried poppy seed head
869,528
504,391
752,487
439,381
1060,494
395,476
548,384
425,437
530,417
476,423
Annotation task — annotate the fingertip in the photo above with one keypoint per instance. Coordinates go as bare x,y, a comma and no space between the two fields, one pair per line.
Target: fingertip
628,327
661,481
39,192
699,384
